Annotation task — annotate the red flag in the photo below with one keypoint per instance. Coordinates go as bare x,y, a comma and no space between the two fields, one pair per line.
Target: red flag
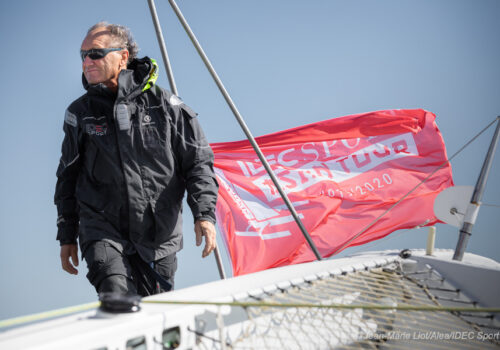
340,174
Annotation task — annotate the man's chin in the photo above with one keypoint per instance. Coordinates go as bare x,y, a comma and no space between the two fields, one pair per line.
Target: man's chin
92,80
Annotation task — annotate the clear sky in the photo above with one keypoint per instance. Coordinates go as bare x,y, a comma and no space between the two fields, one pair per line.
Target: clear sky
285,63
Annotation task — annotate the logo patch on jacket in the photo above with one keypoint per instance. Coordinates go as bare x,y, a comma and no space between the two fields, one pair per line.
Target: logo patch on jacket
70,118
97,129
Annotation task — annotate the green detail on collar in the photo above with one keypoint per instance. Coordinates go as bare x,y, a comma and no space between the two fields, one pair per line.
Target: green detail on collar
153,76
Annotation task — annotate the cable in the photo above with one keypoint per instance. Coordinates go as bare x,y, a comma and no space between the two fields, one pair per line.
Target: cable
490,205
330,306
414,188
201,334
49,314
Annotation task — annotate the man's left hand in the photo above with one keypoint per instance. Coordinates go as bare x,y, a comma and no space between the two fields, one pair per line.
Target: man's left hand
207,229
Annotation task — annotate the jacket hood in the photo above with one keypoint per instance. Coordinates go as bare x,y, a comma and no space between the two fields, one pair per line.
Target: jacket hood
141,74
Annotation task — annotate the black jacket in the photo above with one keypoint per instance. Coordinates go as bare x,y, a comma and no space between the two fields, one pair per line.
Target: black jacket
127,159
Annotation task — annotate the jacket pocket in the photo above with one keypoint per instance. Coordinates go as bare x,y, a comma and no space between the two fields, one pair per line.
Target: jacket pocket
89,161
151,139
151,126
167,220
105,172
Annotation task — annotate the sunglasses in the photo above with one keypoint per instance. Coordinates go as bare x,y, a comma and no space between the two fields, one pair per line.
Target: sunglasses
96,54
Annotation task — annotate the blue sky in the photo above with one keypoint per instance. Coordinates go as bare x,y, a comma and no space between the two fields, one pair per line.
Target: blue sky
285,63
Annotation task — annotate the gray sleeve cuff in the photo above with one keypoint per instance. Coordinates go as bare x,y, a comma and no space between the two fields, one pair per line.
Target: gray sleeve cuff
207,216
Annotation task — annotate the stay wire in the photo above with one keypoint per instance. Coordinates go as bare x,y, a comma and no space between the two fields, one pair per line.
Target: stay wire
261,304
48,314
490,205
201,334
497,119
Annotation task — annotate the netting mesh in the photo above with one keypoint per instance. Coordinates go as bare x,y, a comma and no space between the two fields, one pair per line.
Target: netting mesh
264,327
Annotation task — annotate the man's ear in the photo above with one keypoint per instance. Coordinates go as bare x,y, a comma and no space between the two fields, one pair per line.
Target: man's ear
124,60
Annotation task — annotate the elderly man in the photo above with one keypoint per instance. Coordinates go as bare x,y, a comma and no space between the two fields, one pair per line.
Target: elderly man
130,151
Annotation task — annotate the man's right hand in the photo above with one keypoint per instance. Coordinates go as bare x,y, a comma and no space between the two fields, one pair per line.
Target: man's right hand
67,251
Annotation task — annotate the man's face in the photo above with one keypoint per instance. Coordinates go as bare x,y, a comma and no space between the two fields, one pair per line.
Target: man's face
104,70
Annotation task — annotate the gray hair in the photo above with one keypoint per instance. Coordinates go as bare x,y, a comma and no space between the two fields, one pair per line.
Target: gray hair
122,37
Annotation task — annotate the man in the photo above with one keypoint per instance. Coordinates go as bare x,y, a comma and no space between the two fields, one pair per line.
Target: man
130,151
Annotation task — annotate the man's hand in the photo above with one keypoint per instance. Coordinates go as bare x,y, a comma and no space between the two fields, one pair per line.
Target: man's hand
207,229
67,251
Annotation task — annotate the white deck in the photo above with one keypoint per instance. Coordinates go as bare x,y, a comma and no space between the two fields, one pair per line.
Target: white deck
477,277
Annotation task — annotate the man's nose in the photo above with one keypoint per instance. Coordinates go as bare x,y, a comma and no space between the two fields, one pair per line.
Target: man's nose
88,61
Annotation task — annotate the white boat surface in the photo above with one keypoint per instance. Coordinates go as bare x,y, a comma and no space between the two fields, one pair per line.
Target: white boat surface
387,278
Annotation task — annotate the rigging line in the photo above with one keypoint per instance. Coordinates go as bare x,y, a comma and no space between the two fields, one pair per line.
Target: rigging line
417,186
48,314
385,239
173,88
244,127
490,205
370,245
163,48
201,334
401,307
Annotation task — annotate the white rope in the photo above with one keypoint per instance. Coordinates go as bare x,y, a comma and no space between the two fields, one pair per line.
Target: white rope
414,188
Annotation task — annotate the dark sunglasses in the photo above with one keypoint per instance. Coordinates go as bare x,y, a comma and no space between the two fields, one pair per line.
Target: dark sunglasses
96,54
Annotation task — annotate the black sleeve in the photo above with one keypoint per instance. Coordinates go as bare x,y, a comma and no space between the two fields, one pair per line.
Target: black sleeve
196,160
67,175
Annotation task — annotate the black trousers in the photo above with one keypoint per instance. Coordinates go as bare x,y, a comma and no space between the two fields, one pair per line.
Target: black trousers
112,271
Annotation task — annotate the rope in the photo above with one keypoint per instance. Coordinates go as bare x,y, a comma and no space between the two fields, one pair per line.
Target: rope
84,307
329,306
490,205
417,186
48,314
201,334
289,317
